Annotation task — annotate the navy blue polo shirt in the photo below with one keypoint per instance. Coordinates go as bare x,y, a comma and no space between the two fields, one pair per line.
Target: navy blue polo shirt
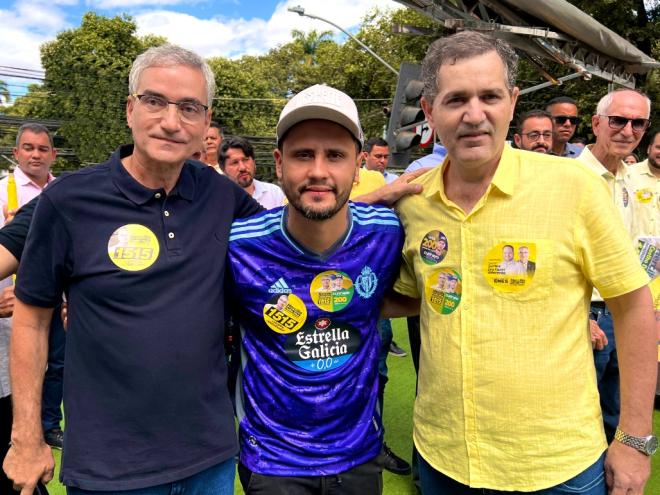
145,388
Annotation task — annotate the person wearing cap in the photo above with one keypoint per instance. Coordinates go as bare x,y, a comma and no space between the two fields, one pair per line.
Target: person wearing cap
129,315
307,401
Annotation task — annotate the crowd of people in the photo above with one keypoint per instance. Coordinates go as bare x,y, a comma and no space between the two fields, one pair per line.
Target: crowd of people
531,321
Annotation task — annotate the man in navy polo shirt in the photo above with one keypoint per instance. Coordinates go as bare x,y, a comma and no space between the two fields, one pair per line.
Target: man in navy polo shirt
146,401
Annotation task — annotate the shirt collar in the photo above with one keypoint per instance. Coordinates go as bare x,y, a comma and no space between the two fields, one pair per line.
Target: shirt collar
505,178
139,194
22,179
588,158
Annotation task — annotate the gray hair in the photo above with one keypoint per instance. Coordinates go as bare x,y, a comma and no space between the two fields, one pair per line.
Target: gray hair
461,46
169,56
36,129
606,101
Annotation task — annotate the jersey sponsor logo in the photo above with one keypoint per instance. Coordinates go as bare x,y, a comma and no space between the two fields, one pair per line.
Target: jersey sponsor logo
510,266
323,345
366,283
280,287
133,247
443,290
331,290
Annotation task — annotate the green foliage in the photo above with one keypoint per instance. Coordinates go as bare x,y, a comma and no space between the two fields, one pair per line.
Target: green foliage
635,20
87,70
87,77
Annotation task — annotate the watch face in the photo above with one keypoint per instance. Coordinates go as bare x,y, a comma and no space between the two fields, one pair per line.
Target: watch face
651,445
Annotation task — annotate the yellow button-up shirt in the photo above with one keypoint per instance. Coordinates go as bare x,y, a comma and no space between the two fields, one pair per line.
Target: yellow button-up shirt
621,186
507,395
367,181
646,199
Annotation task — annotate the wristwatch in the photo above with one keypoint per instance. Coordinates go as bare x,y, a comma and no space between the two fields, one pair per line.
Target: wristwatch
646,445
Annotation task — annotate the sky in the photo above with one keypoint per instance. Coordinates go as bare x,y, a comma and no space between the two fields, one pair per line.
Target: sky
227,28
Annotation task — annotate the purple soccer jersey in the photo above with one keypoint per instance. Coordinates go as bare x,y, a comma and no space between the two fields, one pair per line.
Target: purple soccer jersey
307,389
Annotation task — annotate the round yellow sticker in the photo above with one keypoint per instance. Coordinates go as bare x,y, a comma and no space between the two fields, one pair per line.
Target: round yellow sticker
443,290
133,247
510,267
331,290
285,313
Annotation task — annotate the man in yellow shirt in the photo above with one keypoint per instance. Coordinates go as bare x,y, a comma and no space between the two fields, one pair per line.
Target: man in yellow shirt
646,197
507,396
619,123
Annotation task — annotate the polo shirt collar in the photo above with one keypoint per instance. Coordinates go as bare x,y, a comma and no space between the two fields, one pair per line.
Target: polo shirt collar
136,192
505,178
23,180
588,158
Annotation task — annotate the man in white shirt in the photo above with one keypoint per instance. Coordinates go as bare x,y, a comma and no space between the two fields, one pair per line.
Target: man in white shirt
236,158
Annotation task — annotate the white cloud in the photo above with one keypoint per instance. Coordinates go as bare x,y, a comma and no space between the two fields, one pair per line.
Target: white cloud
25,27
27,24
120,4
220,36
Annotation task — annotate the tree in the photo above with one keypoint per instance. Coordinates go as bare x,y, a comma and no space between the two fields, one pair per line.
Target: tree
4,92
311,42
86,76
635,21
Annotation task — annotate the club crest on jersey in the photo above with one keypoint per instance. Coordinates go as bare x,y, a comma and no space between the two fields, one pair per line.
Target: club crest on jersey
280,287
366,283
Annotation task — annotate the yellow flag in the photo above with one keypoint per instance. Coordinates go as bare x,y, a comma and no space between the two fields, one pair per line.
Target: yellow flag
12,196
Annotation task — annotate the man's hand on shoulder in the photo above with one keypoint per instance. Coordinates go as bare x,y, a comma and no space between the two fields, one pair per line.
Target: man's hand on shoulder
626,470
392,192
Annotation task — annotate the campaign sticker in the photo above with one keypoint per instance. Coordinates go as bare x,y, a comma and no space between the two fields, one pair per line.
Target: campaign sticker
285,313
626,197
133,247
323,345
433,248
644,195
648,249
331,290
443,290
510,267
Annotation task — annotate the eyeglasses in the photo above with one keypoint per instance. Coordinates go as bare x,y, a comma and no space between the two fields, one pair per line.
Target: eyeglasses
535,135
189,111
561,119
617,123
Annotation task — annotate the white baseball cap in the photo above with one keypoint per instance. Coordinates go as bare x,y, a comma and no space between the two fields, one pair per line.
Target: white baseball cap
324,103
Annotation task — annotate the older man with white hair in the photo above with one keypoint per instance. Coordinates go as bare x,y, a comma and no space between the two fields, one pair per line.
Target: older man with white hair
621,118
145,386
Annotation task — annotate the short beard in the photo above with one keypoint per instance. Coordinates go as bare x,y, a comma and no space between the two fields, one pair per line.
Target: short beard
314,214
653,163
245,182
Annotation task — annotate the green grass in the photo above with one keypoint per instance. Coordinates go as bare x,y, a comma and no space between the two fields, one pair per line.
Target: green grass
399,395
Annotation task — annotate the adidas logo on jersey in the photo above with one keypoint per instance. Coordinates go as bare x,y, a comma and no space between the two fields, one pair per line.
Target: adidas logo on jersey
280,287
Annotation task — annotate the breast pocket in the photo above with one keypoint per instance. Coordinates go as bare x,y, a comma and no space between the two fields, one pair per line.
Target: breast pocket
520,269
